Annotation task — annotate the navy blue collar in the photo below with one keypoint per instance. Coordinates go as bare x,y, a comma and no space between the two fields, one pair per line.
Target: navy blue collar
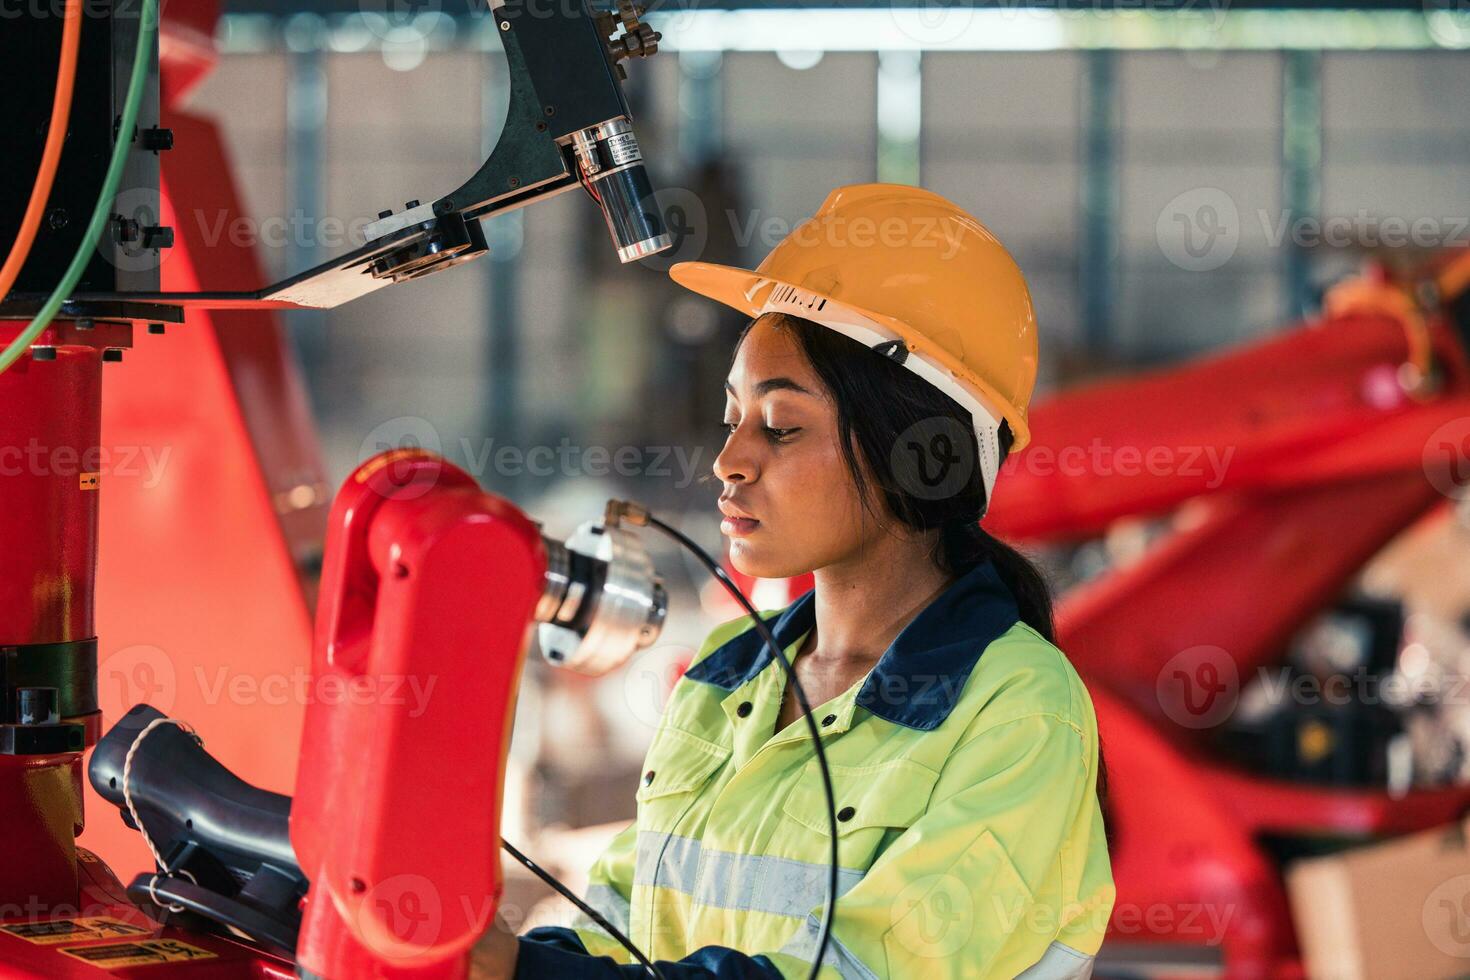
919,677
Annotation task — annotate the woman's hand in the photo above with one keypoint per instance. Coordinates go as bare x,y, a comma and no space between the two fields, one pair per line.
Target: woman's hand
494,956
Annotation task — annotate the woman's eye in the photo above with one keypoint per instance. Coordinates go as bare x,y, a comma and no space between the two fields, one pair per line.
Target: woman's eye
773,433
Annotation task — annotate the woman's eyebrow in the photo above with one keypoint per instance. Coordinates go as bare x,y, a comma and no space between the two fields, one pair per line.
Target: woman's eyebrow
773,384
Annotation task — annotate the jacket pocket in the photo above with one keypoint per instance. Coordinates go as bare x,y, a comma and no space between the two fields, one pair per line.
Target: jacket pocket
976,910
678,762
885,794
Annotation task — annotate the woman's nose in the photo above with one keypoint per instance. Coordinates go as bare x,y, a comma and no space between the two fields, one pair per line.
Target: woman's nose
735,463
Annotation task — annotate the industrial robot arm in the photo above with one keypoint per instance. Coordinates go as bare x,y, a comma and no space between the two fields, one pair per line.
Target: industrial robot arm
568,124
429,578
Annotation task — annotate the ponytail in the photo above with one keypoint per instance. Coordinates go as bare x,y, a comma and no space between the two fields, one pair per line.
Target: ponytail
964,544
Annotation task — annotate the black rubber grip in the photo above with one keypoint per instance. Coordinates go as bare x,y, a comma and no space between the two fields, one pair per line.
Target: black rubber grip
183,794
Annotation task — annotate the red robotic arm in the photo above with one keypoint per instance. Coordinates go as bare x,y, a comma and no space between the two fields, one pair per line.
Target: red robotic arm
425,579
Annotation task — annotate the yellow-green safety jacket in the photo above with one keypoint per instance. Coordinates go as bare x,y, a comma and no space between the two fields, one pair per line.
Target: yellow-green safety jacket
970,836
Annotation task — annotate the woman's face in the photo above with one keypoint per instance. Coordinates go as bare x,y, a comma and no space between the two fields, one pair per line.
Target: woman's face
789,501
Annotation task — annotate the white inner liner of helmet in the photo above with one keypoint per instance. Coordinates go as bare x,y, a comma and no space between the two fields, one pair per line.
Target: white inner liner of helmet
849,322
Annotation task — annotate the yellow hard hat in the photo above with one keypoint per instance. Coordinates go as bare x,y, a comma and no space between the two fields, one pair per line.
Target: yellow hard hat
913,276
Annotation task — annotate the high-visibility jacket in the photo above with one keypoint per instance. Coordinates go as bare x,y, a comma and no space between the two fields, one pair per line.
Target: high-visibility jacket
971,840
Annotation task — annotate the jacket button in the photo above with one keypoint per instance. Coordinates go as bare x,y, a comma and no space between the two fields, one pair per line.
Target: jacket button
845,814
648,778
828,720
744,709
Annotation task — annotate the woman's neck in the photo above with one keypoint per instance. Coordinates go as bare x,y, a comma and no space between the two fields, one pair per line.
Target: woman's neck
863,604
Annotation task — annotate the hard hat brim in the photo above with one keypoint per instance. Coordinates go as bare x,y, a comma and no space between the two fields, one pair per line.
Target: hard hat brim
725,284
746,290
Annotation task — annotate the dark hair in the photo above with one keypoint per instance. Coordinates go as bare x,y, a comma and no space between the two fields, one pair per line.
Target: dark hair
898,420
882,407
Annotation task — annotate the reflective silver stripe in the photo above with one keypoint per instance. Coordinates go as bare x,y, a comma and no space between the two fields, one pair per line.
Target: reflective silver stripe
730,880
753,882
666,860
1060,962
610,904
803,946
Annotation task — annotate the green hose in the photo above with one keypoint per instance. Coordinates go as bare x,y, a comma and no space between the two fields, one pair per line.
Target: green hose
147,28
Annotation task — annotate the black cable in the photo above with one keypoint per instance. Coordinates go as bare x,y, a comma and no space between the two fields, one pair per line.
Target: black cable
830,911
590,912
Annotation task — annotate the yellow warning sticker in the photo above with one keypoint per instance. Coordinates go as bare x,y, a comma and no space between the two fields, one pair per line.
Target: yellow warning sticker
139,953
90,481
55,931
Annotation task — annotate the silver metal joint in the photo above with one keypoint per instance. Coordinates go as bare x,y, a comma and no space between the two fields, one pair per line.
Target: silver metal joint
602,601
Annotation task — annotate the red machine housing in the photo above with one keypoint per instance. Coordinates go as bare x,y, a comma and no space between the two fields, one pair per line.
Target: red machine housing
429,585
235,505
49,463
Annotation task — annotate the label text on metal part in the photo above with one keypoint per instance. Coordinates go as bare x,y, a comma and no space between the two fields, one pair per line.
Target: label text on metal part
624,149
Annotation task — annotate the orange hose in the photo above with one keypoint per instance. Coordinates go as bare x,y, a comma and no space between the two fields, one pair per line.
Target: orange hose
66,74
1454,278
1366,294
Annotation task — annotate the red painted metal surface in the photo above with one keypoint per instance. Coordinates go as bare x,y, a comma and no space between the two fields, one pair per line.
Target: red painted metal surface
1187,872
1230,590
49,443
1314,404
429,584
34,942
39,822
185,48
263,379
211,495
50,461
201,609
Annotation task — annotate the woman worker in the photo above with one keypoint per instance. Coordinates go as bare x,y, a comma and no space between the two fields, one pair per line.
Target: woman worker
872,397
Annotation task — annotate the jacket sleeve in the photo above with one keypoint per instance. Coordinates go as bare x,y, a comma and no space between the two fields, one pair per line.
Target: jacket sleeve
965,892
587,952
609,887
972,889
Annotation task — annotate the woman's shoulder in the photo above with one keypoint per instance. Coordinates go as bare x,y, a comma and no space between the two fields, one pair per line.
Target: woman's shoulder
742,632
1023,674
724,632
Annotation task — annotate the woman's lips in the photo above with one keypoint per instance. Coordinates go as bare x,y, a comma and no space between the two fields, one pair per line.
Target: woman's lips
738,527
